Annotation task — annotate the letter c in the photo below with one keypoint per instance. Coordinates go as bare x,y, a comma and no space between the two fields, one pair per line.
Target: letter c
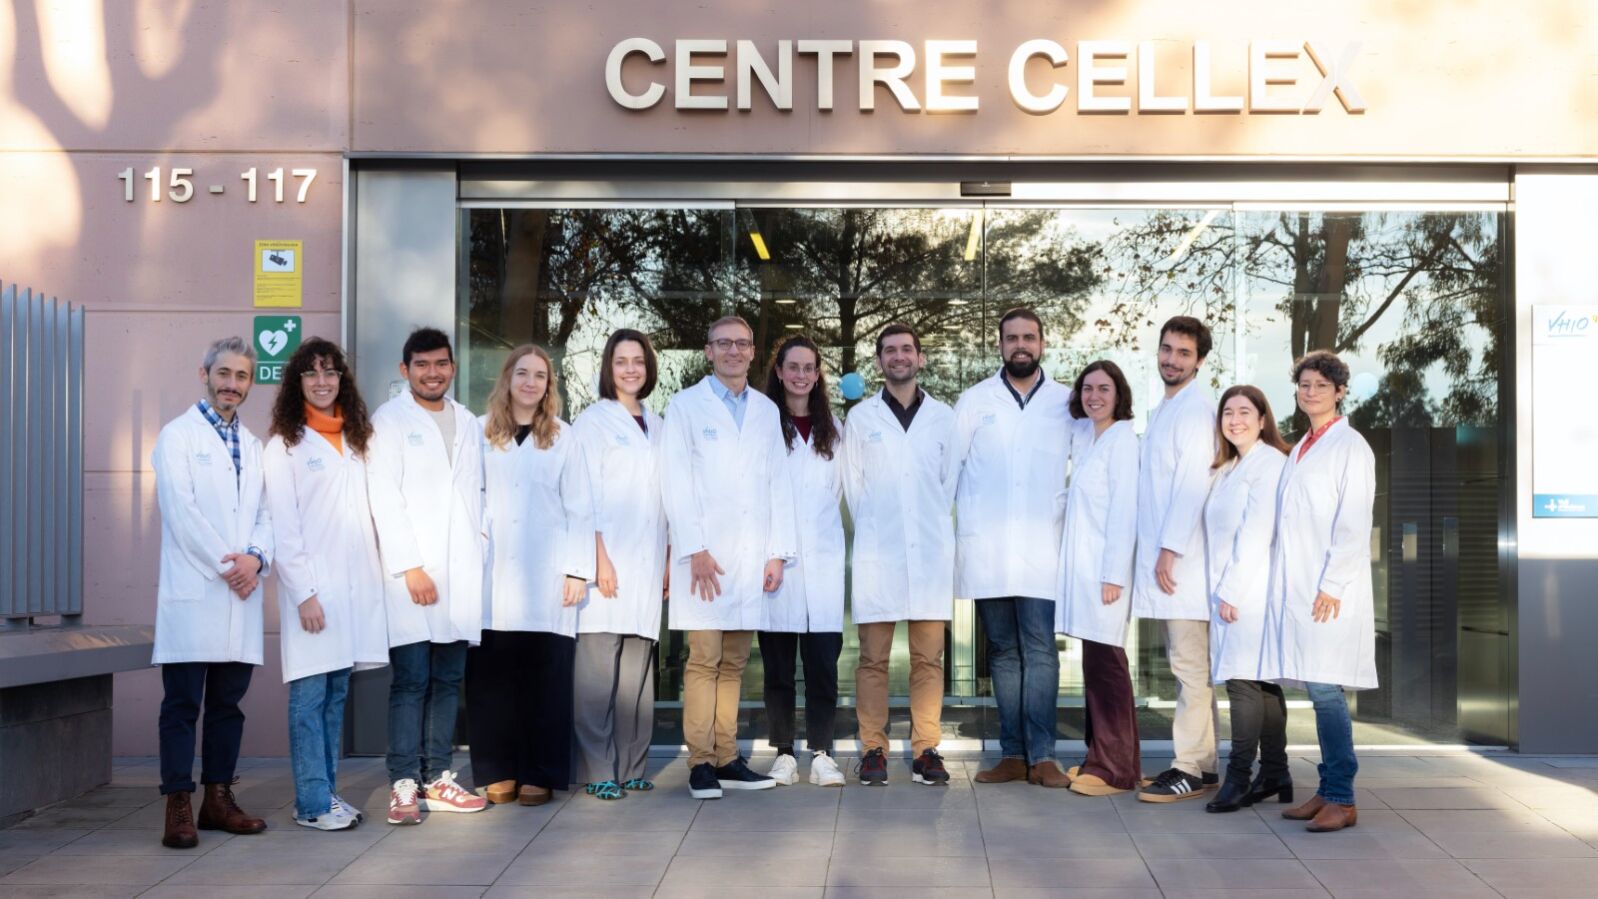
618,91
1020,93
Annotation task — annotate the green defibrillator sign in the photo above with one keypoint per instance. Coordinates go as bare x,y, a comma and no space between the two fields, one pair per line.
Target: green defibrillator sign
276,339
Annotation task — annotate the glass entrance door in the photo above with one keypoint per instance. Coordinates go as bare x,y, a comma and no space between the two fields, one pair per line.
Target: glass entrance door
1415,300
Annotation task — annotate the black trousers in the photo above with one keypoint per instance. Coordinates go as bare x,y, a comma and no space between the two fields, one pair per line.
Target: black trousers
219,687
519,708
819,653
1259,724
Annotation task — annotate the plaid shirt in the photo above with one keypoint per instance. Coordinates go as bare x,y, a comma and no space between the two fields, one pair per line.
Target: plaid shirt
229,432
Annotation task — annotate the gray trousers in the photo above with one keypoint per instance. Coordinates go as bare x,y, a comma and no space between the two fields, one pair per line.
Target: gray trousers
613,708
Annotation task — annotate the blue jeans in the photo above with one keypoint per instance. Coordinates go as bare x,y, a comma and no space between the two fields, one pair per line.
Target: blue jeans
316,724
1026,673
1336,732
422,699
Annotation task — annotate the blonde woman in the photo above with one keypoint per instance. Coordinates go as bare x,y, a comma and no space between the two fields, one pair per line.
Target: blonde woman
540,560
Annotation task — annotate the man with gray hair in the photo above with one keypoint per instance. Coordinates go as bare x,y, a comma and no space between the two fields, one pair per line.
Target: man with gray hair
216,542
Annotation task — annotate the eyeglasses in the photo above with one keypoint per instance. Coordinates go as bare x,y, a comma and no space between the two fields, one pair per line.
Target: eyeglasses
800,369
743,345
318,373
1315,386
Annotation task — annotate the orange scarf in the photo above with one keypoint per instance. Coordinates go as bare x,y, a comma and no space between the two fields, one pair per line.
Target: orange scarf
329,426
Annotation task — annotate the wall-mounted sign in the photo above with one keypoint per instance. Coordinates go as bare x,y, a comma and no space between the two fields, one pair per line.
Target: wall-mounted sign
179,184
1564,432
1282,77
276,338
278,281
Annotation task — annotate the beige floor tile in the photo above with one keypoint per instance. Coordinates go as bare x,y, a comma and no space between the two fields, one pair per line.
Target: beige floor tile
1057,873
1231,874
97,870
945,871
757,843
1404,799
717,873
437,869
1514,844
1394,877
1354,843
1507,875
541,869
1218,845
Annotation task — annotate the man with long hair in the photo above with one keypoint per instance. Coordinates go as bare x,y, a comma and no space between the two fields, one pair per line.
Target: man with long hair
804,617
330,579
216,541
425,471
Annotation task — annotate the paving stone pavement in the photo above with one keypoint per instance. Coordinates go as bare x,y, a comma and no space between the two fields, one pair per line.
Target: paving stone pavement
1457,823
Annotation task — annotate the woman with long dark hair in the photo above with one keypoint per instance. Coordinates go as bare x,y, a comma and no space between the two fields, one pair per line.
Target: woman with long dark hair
1094,601
541,557
1321,591
618,620
330,578
1239,524
803,619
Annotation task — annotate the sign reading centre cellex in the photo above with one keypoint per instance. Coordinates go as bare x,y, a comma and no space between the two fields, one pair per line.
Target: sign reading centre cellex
1564,475
1282,77
276,338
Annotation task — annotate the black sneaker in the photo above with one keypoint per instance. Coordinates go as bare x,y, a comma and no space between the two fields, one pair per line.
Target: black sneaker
702,782
1173,785
928,769
874,769
737,775
1212,780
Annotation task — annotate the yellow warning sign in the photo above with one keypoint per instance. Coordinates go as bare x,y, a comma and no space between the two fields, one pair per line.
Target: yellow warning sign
277,273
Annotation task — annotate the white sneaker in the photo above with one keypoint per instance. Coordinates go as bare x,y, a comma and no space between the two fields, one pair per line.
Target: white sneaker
336,818
824,771
785,770
445,795
352,811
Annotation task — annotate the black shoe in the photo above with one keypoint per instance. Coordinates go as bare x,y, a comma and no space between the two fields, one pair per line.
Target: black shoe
874,769
927,769
1211,780
1264,788
1233,796
737,775
702,782
1173,785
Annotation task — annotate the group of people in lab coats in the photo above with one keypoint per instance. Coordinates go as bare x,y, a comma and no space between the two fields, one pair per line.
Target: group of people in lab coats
527,558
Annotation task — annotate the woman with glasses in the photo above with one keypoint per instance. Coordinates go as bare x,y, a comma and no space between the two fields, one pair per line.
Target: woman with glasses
804,617
330,579
618,619
1321,580
1239,522
541,557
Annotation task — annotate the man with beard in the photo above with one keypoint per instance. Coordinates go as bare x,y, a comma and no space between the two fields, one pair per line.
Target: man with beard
216,538
1013,432
425,483
1168,578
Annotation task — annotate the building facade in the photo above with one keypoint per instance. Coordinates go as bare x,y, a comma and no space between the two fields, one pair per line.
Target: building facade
1411,186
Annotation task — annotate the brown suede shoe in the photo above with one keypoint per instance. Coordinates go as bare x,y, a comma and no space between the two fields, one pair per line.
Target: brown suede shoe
1004,772
1306,811
1048,774
180,833
531,795
220,811
501,792
1333,817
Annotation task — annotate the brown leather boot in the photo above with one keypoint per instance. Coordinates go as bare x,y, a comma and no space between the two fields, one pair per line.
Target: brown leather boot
531,795
1004,772
1333,817
220,811
1048,774
180,833
501,792
1306,811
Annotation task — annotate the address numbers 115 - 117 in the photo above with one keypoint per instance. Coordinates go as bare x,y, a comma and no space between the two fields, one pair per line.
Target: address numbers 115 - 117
179,185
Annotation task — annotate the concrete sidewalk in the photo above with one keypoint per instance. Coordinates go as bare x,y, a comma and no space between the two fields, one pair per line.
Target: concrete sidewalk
1457,823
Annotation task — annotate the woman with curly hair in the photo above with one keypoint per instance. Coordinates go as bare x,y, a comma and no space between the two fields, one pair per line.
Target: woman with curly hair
330,579
541,558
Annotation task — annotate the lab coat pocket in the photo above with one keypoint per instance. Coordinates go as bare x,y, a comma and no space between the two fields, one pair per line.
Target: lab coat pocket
186,584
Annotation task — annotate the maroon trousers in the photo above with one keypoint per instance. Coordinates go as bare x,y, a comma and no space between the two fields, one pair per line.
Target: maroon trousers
1111,731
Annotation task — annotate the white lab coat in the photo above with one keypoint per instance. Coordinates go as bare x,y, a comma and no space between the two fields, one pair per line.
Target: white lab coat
724,492
623,466
540,523
326,548
811,596
429,513
1239,524
1324,508
1010,500
1173,480
900,486
1099,535
207,512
